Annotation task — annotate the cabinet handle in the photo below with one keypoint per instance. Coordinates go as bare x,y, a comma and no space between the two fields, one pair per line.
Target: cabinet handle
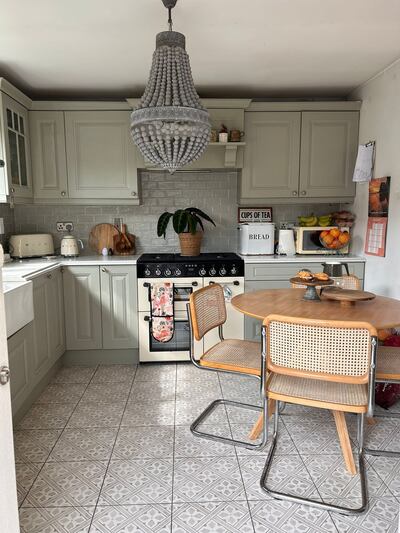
103,269
133,193
194,283
2,163
49,276
63,193
294,193
303,193
12,190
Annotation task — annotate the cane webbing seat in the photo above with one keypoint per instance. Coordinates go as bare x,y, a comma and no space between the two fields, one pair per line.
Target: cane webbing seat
349,282
342,394
234,355
388,363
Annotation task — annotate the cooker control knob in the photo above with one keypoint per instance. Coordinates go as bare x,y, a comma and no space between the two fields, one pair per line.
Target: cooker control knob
202,271
222,271
212,271
177,272
157,272
233,271
147,272
167,272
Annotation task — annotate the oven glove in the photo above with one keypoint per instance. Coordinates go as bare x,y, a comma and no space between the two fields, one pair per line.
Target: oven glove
162,311
162,328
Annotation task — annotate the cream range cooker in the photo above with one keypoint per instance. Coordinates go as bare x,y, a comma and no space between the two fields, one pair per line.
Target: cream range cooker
187,274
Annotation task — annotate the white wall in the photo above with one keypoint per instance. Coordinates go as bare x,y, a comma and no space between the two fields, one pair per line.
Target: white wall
380,121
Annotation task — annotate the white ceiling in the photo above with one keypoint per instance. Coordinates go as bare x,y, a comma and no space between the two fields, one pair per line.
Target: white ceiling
258,48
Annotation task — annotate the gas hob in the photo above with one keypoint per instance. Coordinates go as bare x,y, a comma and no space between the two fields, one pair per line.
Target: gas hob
174,265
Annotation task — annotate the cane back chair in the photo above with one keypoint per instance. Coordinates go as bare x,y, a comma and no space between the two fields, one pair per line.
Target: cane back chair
324,364
207,311
345,282
387,371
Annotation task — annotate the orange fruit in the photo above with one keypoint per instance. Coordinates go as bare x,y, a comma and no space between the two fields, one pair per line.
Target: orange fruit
323,234
328,239
335,243
335,232
344,237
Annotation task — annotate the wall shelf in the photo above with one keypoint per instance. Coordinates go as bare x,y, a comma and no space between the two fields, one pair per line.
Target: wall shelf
231,149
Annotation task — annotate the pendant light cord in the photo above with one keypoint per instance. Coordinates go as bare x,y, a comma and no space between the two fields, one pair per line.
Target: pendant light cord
170,18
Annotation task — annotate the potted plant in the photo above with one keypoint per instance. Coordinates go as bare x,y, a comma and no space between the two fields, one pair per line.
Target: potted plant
186,223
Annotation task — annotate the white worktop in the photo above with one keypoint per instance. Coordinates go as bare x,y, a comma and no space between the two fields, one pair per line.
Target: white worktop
276,259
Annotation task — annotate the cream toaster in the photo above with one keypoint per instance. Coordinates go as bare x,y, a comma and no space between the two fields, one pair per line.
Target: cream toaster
31,245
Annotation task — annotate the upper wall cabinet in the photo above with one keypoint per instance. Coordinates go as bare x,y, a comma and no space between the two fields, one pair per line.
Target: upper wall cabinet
299,156
14,150
49,162
328,152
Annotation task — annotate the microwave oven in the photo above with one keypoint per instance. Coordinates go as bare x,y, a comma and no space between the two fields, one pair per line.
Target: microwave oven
308,242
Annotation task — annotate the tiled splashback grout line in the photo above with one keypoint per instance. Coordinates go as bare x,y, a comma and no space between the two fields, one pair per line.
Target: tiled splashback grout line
213,192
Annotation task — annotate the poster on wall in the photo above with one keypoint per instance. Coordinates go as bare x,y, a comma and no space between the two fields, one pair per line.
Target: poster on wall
378,210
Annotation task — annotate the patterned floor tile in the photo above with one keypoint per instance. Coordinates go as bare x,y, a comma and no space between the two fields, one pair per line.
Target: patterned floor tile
187,390
383,434
132,519
211,517
240,415
84,445
388,469
144,442
34,445
277,516
55,520
62,393
149,414
246,393
149,391
287,474
67,484
156,372
92,415
137,482
188,410
106,392
382,516
188,445
309,413
26,474
333,481
49,416
205,479
285,446
189,372
75,374
114,374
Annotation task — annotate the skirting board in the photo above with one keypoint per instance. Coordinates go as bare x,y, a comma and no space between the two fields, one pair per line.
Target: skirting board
96,357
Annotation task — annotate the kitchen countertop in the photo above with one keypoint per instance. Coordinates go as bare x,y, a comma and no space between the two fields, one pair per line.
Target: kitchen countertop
275,259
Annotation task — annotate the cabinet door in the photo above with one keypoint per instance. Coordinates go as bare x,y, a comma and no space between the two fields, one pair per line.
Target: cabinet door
49,163
119,307
17,151
101,156
82,306
271,161
20,352
329,143
41,352
55,314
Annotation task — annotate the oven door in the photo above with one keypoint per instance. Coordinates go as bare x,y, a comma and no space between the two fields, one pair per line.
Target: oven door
176,349
183,288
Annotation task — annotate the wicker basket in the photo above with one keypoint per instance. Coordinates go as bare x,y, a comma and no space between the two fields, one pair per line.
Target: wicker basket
190,243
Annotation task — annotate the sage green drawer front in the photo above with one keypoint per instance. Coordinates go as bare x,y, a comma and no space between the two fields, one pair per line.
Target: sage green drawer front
282,271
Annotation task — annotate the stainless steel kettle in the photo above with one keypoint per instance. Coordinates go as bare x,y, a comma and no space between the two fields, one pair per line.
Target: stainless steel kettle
334,269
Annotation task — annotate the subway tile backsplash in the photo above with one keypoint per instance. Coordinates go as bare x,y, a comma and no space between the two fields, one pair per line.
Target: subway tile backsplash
213,192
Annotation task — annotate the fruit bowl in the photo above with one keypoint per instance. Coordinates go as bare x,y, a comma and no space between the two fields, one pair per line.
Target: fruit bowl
334,239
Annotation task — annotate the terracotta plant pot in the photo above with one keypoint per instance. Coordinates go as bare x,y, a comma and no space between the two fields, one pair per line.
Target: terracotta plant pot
190,243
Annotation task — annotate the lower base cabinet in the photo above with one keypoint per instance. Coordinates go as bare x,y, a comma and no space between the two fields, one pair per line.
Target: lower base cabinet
20,348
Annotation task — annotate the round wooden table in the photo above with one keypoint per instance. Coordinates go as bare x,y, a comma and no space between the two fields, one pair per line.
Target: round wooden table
380,312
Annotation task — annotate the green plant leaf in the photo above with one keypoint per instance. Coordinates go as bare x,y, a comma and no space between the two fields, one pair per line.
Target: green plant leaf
162,224
201,214
180,220
198,220
192,223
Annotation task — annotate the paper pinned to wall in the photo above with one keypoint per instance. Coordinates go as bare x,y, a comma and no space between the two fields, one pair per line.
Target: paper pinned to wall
365,162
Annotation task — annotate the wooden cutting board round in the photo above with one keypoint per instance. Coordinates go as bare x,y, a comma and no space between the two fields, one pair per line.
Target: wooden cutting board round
347,297
102,236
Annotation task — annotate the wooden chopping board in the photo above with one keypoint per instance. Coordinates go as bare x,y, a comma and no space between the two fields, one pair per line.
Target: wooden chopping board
102,236
347,297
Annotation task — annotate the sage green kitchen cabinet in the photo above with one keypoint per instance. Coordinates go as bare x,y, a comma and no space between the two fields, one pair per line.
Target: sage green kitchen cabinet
15,150
49,161
41,353
82,304
20,352
55,309
271,159
102,160
119,306
329,142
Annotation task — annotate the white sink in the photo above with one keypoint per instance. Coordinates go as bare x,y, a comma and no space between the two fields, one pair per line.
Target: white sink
18,300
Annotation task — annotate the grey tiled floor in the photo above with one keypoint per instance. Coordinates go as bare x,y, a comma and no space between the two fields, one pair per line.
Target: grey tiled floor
108,449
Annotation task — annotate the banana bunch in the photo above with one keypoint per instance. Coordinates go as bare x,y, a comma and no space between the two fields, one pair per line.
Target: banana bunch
312,220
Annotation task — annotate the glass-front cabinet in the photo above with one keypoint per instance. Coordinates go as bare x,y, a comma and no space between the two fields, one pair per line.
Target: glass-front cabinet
15,147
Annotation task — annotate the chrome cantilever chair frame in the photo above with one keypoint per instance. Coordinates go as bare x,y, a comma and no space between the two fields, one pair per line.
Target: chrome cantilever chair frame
213,405
361,451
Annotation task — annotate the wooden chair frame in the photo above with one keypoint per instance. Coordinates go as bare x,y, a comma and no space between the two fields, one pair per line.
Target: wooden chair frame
338,413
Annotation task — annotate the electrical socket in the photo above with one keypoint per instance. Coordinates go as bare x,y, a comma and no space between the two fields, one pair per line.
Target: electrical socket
65,226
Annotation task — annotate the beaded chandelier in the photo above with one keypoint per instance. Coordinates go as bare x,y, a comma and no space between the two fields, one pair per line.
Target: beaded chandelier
170,126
